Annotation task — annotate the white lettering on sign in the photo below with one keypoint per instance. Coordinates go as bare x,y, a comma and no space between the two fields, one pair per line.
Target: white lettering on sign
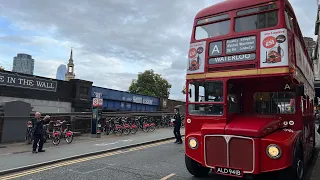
234,58
98,94
287,86
215,49
288,130
16,80
1,78
137,99
147,101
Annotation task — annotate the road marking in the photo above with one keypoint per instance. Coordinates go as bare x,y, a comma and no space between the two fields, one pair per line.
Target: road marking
106,144
167,177
78,160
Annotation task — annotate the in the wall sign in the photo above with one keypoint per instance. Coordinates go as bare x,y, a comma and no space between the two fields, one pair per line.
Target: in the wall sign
15,80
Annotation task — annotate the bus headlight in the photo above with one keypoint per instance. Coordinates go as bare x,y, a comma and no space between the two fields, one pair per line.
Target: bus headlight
193,143
274,151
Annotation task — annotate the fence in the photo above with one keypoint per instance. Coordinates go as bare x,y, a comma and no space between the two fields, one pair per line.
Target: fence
81,121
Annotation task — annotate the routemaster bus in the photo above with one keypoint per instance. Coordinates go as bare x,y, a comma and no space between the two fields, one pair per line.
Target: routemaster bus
250,92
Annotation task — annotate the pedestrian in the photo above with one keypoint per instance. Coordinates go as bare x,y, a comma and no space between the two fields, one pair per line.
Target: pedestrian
38,133
177,126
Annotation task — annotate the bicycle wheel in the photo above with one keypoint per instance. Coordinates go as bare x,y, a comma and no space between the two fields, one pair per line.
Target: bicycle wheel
55,140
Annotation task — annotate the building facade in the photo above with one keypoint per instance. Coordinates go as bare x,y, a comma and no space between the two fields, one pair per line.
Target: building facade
61,72
310,44
114,100
44,94
316,56
23,63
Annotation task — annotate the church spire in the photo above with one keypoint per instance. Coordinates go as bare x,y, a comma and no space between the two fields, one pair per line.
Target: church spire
71,55
70,72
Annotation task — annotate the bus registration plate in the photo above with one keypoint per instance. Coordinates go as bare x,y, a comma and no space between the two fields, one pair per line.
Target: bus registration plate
228,171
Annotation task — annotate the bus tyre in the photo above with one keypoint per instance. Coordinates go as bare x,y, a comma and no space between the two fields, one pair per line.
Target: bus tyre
296,170
196,168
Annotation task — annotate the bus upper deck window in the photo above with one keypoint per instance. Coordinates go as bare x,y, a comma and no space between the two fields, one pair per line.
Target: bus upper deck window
212,30
256,21
257,9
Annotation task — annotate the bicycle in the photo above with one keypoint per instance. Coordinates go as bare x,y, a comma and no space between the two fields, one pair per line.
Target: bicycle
57,133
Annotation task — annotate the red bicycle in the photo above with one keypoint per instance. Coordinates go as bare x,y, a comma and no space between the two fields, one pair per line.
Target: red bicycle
59,133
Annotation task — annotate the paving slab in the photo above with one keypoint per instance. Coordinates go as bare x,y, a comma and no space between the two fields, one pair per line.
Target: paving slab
12,162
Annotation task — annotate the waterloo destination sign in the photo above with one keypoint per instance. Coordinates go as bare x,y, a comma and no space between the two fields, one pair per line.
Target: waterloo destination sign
15,80
234,58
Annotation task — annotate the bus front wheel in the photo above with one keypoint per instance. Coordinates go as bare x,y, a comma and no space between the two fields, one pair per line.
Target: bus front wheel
196,168
296,170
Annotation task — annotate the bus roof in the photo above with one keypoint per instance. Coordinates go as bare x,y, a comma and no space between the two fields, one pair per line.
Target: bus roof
229,5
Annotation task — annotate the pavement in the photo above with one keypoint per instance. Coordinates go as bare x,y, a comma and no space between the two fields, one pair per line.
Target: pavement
19,157
159,161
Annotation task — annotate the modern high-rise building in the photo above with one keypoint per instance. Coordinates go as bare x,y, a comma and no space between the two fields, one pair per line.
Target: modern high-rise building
61,72
23,63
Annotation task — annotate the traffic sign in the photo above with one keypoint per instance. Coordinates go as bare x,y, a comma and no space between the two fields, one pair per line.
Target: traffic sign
100,103
97,102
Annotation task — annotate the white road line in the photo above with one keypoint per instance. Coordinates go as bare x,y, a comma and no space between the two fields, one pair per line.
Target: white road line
167,177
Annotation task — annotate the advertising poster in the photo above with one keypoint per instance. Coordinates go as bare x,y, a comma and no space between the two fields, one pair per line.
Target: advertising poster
274,48
196,57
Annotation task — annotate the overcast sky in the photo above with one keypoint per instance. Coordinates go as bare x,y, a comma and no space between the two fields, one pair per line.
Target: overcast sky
113,40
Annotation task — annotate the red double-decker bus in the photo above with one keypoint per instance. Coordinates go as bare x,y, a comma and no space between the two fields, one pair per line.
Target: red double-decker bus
250,91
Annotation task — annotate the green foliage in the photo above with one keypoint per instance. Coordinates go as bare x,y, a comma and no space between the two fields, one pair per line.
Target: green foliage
1,68
150,84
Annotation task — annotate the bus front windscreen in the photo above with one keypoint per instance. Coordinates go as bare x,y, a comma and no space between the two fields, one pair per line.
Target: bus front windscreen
201,93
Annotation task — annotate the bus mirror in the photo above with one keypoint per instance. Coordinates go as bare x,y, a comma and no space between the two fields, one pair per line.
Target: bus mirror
190,93
299,90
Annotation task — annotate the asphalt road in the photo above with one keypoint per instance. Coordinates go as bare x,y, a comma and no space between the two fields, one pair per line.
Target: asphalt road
162,161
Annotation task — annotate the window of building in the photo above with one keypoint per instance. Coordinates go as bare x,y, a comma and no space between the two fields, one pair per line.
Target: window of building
257,21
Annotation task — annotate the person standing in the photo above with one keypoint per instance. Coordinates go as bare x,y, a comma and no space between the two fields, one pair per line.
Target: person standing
38,133
177,126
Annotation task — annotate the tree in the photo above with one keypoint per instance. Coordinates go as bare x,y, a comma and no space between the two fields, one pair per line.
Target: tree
1,68
150,84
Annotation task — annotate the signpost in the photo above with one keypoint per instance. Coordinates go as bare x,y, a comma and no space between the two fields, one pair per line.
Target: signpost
97,104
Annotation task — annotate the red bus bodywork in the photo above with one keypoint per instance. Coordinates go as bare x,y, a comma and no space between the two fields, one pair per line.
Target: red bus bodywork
240,140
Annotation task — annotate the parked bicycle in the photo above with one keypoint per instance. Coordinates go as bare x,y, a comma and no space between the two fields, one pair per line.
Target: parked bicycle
59,133
29,133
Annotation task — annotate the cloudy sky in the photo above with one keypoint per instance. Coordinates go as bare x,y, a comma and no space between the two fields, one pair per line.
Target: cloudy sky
113,40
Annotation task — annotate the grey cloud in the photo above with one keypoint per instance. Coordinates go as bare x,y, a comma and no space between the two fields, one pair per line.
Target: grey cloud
151,33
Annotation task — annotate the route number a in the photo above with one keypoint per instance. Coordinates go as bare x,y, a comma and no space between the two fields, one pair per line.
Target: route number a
215,49
287,86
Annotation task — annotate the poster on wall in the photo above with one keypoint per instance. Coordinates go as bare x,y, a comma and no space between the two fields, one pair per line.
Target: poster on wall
196,57
274,48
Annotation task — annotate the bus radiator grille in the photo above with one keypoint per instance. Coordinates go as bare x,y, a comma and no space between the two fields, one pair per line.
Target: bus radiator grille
229,151
241,153
216,151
